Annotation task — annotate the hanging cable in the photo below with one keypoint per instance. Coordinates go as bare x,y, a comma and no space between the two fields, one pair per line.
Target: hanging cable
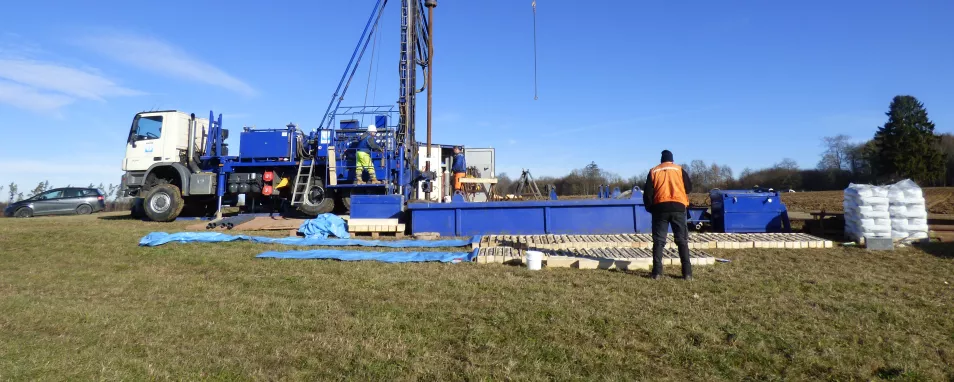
377,71
374,48
534,5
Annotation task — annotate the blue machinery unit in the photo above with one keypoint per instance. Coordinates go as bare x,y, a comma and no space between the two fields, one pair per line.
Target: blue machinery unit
748,211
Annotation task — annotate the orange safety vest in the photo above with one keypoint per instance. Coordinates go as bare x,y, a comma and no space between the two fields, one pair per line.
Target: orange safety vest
668,184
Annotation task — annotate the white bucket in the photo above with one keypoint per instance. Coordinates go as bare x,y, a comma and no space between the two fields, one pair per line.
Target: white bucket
534,260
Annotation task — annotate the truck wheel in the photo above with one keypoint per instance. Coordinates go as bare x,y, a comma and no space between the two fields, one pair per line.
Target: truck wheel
163,203
317,202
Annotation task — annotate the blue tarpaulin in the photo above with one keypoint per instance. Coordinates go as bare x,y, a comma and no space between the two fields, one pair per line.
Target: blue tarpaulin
316,232
160,238
323,225
387,257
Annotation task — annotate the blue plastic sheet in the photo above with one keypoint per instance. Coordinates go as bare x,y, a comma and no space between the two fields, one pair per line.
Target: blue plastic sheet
159,238
387,257
323,225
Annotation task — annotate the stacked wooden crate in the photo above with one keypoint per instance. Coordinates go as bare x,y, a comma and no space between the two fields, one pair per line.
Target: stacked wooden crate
376,227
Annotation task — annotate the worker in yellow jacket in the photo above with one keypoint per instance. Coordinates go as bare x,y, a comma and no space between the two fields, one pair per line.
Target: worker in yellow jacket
666,197
366,144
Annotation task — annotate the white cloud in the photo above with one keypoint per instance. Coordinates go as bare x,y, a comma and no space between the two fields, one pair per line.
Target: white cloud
512,141
161,57
66,80
46,85
25,97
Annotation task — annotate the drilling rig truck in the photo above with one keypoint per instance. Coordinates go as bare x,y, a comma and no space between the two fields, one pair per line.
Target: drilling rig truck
179,161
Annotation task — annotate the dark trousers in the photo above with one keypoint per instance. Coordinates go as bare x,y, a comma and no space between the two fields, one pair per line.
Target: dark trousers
661,223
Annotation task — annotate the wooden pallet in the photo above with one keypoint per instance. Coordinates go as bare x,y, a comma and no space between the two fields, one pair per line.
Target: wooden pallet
375,231
594,258
696,241
376,235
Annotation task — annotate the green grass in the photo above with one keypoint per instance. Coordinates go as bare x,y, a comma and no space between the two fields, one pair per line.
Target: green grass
79,300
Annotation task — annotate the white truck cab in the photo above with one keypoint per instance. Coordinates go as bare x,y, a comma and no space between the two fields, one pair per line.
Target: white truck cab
162,163
162,137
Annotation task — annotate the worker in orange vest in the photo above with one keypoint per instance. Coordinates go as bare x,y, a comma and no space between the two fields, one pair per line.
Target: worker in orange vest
666,197
459,168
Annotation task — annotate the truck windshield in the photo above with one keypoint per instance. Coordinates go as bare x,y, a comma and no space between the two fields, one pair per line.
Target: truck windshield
145,127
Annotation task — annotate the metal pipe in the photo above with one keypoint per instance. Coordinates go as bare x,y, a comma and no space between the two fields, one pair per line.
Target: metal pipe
430,4
190,151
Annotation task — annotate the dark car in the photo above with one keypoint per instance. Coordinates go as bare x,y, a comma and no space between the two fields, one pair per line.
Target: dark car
59,201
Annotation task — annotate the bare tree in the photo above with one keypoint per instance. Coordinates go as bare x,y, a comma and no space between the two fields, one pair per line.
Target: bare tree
13,191
837,153
504,184
699,173
787,164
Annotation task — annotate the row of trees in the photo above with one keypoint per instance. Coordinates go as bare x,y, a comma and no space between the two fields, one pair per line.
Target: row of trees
906,146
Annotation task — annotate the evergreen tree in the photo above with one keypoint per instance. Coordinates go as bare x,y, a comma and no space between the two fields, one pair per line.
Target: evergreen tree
907,146
39,189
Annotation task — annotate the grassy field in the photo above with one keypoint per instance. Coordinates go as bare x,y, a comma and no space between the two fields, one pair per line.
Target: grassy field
79,300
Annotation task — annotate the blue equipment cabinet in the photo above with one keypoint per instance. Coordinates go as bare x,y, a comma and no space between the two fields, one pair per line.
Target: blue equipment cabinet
738,211
377,206
267,144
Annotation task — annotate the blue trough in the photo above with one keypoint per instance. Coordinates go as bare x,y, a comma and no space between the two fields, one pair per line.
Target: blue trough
573,217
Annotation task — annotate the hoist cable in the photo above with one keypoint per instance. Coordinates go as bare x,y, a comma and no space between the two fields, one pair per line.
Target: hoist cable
534,5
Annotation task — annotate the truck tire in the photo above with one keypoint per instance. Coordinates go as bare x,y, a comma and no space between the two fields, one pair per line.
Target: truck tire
317,202
163,203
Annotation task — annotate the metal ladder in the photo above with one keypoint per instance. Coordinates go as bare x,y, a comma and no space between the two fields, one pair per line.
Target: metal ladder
302,182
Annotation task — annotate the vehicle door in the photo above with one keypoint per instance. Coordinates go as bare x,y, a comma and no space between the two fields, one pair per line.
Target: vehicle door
94,198
143,147
47,203
72,198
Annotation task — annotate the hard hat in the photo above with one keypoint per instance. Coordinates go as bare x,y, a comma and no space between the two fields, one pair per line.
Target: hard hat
372,129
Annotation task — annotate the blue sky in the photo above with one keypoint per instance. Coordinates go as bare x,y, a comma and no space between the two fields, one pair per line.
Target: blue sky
743,83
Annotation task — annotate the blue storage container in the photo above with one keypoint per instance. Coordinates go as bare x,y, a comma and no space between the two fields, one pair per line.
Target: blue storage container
376,206
575,217
266,144
745,211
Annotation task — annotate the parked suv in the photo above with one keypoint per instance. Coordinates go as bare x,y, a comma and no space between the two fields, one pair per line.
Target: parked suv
59,201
